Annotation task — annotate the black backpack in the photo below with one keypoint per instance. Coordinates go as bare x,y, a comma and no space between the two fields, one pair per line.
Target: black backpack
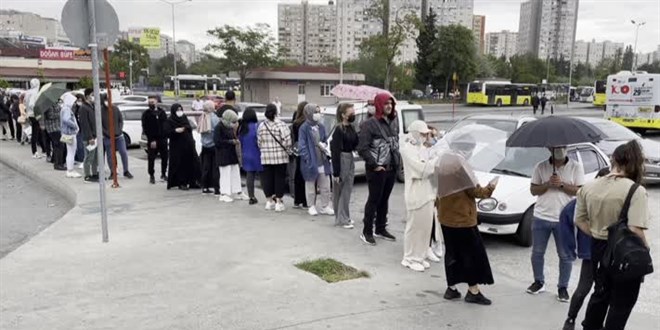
626,257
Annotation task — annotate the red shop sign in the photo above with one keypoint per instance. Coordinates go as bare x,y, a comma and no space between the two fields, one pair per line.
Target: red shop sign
56,54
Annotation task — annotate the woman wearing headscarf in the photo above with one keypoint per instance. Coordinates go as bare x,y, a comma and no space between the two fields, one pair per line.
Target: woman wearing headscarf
210,173
227,158
69,128
247,135
299,197
184,171
314,162
466,260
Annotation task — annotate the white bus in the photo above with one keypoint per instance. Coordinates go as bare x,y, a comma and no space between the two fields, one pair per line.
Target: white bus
633,100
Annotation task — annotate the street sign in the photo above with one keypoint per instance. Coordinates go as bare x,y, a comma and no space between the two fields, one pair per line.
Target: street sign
75,20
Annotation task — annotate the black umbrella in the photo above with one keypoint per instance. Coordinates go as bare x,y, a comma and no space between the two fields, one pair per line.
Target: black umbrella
552,132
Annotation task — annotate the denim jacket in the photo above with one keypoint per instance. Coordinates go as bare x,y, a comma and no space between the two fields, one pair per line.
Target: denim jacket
568,237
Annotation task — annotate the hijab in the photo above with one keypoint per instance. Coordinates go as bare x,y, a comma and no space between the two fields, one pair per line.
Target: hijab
229,117
176,120
205,124
309,111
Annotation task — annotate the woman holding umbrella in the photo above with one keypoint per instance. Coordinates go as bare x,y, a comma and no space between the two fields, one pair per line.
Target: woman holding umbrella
184,171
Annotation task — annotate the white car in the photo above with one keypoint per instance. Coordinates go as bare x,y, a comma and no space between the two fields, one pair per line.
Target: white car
135,99
193,117
259,108
510,210
407,112
132,122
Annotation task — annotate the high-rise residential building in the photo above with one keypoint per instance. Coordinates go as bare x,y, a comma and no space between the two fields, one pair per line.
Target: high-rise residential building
594,52
502,43
166,48
308,32
479,31
354,27
457,12
186,51
33,25
581,52
547,28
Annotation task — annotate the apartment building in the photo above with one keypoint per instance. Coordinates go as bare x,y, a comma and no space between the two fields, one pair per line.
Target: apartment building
479,31
594,52
308,32
502,43
32,25
547,28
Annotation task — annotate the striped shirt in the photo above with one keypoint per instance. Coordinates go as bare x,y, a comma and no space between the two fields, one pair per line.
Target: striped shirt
272,153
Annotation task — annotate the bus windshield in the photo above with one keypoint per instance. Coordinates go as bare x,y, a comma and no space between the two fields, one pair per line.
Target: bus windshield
475,88
601,86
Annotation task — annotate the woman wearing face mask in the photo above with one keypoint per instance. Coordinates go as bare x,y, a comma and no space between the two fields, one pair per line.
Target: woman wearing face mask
250,150
344,143
184,170
314,162
226,143
299,196
208,121
274,140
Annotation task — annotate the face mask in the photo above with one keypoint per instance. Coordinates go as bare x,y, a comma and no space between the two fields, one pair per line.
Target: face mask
316,117
432,141
179,113
152,106
79,103
559,153
351,118
91,99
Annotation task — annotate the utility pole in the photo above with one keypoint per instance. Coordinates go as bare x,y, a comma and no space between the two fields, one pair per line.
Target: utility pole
175,80
638,25
340,10
130,70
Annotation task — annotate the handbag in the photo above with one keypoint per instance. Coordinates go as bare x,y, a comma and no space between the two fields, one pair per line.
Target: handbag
626,257
68,139
21,119
290,152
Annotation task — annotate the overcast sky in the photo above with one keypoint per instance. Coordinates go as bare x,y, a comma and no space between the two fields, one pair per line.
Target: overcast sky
599,19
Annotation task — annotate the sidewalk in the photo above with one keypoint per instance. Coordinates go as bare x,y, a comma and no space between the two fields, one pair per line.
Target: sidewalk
179,260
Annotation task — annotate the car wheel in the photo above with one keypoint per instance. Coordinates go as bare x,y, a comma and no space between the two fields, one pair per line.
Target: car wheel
127,139
524,232
498,103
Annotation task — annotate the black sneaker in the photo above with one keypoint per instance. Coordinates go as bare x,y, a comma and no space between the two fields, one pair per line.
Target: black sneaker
452,294
128,175
383,234
206,191
152,180
59,167
163,178
478,299
183,187
253,201
217,193
90,179
569,324
369,239
562,295
536,288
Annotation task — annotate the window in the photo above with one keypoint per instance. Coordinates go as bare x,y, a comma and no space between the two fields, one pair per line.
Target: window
590,161
133,114
326,88
409,116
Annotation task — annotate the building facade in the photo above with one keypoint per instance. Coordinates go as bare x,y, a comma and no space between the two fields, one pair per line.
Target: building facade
186,51
502,43
547,28
308,32
458,12
479,31
594,52
33,25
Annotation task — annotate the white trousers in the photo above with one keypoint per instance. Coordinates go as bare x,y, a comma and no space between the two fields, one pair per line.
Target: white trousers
419,223
71,153
230,180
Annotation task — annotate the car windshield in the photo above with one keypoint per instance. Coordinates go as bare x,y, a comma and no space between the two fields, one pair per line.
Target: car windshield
508,126
614,132
521,161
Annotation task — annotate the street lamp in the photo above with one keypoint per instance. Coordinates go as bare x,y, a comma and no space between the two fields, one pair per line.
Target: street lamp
638,25
176,81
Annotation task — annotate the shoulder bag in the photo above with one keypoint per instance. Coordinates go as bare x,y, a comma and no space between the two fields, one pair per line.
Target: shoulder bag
290,152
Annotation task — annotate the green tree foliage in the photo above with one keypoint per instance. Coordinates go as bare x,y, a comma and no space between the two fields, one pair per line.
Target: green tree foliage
85,82
628,58
455,52
650,68
207,65
528,69
164,67
4,84
244,49
426,41
120,56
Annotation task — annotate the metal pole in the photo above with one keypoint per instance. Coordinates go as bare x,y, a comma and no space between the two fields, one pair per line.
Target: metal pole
130,70
111,123
341,43
176,81
97,113
634,63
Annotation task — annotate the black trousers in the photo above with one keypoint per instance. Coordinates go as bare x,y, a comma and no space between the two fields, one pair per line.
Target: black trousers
161,148
273,180
59,149
380,187
19,132
299,197
583,288
616,300
210,172
37,136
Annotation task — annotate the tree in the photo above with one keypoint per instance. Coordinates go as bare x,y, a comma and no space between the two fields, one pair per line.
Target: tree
426,41
85,82
455,53
650,67
528,69
244,49
163,67
121,55
628,58
207,65
4,84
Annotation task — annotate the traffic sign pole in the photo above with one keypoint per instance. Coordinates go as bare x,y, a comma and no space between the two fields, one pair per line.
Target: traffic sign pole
111,121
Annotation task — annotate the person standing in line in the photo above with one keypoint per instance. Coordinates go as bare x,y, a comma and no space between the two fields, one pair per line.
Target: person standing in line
555,181
230,103
247,135
299,196
210,171
5,117
599,204
227,158
379,147
15,111
69,128
314,162
436,248
80,148
120,142
274,140
344,143
185,170
419,196
154,121
198,104
36,137
581,242
52,126
88,128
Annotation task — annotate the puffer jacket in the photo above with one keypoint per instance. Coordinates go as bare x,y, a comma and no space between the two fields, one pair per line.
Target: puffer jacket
379,137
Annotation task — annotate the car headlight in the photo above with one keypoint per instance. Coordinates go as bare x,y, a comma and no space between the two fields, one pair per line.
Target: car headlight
487,204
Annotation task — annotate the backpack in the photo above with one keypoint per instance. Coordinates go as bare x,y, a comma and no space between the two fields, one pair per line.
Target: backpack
626,257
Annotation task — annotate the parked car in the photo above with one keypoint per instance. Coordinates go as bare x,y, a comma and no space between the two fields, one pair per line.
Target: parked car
135,98
510,210
407,112
259,108
132,122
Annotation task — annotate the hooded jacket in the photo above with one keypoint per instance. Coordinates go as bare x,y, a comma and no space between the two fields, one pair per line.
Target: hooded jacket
153,124
379,137
87,119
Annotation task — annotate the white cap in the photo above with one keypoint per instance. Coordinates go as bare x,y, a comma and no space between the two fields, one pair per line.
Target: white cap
418,126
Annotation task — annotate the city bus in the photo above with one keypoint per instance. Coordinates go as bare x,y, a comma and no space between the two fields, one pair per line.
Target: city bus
499,93
600,96
633,100
193,85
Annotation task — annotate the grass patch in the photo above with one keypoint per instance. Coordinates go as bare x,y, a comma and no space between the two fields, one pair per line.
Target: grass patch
331,270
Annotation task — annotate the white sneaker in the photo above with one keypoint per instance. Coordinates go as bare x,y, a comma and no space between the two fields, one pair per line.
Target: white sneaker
426,264
312,211
351,222
72,174
36,155
348,226
241,197
225,198
430,255
413,265
270,205
327,210
438,250
279,207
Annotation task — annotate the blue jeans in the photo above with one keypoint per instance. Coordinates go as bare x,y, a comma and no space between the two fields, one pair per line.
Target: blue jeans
120,145
541,230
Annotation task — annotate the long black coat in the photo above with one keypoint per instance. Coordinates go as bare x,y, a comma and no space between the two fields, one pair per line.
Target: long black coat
185,168
225,149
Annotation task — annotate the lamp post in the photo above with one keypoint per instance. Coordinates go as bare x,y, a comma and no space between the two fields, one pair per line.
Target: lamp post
176,81
637,25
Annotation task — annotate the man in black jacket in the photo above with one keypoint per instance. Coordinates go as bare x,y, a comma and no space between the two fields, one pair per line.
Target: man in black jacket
378,146
153,123
87,119
230,103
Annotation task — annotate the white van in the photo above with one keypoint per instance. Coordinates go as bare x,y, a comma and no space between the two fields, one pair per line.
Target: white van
407,113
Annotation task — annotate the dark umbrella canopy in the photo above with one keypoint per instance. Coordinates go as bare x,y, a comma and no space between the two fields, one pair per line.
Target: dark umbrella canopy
48,96
553,131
